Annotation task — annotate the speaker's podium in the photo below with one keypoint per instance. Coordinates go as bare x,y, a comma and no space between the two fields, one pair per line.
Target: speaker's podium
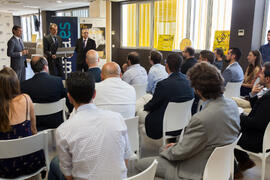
64,53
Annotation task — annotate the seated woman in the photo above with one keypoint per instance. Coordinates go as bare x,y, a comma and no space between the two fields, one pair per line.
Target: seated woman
254,68
17,121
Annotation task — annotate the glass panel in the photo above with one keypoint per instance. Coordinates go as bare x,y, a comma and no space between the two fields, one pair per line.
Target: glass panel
129,25
144,25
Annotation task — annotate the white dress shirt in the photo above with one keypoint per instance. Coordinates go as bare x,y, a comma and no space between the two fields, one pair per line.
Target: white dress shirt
135,74
116,95
93,144
156,73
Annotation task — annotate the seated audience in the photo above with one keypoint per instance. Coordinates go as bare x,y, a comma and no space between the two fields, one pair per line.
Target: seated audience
253,126
217,124
114,94
175,88
92,62
252,72
219,58
157,72
44,88
93,143
17,121
207,56
189,61
233,72
135,73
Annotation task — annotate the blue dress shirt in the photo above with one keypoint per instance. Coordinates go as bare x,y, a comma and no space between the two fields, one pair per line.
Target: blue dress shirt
156,73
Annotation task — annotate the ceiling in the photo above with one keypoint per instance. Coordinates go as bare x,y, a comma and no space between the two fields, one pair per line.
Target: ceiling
22,7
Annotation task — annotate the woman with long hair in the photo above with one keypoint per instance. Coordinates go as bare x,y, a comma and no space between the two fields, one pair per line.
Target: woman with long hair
252,72
17,120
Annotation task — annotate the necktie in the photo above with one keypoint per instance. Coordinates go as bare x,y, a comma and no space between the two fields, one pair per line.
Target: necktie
21,44
84,44
55,41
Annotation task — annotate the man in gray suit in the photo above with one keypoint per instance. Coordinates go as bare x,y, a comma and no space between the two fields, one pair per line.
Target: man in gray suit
233,72
17,53
217,124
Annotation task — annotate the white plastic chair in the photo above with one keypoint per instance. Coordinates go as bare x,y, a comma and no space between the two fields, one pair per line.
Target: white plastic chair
133,135
140,90
176,117
262,155
24,146
220,164
232,89
148,174
42,109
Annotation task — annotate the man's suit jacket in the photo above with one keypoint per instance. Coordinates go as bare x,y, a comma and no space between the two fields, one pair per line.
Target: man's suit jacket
96,73
49,47
233,73
217,124
188,63
176,88
253,126
17,62
45,88
81,51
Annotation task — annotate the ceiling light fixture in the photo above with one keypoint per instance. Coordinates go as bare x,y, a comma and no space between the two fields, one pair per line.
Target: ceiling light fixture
58,1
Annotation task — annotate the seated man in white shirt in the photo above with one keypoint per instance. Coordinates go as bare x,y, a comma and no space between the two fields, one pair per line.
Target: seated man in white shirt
113,93
93,143
135,73
157,72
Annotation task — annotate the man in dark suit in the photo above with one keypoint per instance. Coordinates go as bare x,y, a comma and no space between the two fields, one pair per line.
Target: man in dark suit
92,64
175,88
253,126
51,43
44,88
17,53
83,45
189,61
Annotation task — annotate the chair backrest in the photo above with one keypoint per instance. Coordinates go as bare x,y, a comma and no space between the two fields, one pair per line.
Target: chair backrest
42,109
220,163
133,134
23,146
177,116
232,89
148,174
266,138
140,90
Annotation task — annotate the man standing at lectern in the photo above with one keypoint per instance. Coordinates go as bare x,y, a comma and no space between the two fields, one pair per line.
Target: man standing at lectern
17,53
83,45
51,42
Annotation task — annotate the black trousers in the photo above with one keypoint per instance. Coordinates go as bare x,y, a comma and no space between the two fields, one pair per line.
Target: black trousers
81,66
56,67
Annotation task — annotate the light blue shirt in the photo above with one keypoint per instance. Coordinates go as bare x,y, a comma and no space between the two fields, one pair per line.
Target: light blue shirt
156,73
135,74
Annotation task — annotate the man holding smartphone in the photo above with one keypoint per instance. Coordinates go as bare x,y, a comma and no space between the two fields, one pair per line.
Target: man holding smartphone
17,53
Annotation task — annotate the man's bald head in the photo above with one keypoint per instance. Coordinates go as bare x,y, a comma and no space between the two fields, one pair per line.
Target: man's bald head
92,58
110,69
39,63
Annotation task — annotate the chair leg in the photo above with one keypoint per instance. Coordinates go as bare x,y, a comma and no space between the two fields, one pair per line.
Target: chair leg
263,168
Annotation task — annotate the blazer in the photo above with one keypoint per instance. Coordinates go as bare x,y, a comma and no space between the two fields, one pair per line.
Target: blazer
14,48
253,126
49,47
175,88
233,73
188,63
45,88
217,124
95,72
81,52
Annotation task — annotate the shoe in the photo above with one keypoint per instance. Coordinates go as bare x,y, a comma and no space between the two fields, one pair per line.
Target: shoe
238,175
246,165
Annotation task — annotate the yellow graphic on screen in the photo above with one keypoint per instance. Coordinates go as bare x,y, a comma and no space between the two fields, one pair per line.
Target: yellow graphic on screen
184,43
222,40
165,42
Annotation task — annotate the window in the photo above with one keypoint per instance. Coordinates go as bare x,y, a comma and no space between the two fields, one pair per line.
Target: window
194,19
29,29
81,12
266,23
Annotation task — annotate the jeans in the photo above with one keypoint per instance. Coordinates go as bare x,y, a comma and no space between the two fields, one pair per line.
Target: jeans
55,172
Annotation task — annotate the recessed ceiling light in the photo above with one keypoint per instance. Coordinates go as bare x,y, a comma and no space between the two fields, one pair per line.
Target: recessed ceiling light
58,1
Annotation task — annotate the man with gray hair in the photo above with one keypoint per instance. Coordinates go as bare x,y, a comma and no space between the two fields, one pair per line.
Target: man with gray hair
92,62
113,93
